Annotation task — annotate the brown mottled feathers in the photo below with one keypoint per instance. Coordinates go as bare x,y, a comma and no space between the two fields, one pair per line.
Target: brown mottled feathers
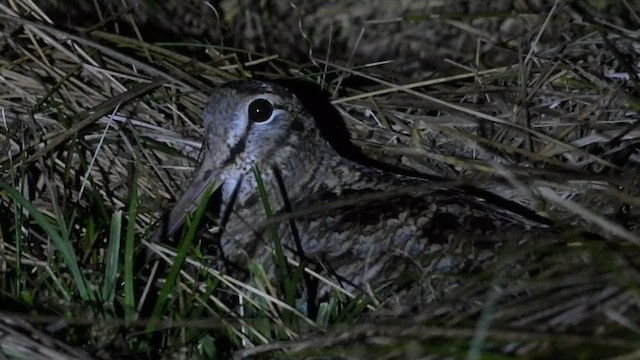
363,224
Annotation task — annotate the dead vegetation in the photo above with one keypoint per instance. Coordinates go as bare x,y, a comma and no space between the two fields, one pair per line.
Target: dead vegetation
99,133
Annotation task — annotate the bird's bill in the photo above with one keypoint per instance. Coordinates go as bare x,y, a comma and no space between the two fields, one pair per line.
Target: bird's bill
203,184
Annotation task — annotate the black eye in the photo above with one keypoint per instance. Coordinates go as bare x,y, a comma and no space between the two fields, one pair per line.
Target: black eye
260,110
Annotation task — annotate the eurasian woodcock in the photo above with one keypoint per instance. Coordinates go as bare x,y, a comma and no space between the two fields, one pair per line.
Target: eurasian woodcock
363,224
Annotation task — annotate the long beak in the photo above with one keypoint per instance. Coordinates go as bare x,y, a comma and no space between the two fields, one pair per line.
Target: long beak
204,182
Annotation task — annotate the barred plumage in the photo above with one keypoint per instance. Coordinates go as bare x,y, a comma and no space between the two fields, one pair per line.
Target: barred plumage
364,224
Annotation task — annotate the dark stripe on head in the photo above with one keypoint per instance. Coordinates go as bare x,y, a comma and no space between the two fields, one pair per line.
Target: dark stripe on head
238,147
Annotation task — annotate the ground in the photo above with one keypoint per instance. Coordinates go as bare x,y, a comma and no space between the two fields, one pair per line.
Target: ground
101,126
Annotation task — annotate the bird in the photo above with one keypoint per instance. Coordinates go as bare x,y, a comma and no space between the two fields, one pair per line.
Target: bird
360,224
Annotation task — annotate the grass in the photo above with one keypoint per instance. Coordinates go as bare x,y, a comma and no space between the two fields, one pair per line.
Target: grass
99,133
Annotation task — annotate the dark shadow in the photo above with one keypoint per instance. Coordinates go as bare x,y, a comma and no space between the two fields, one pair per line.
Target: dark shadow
334,130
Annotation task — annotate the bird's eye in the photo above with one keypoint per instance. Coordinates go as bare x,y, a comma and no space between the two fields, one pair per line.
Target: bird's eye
260,110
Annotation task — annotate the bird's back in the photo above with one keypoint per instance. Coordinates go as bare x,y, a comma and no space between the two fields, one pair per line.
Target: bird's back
373,228
358,224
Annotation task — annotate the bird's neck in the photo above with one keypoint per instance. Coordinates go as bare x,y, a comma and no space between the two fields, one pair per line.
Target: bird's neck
296,174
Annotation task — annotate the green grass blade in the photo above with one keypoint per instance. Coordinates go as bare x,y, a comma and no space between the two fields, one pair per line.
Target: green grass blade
168,287
290,280
112,258
281,261
63,245
129,246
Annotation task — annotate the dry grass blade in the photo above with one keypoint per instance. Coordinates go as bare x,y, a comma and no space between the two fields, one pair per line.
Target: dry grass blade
551,124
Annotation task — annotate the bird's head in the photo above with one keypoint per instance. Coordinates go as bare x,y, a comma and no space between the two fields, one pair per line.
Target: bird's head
252,123
249,124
